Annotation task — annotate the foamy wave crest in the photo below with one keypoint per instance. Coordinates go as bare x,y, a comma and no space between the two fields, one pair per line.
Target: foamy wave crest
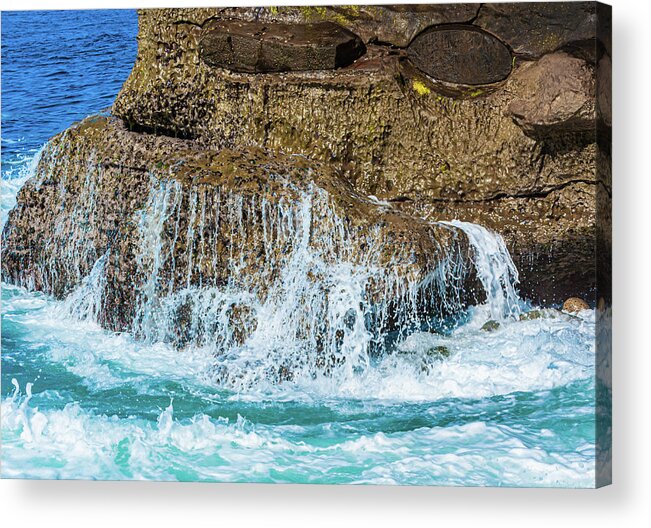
531,354
76,443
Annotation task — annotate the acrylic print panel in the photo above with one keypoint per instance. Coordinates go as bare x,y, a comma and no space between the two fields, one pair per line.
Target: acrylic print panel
351,244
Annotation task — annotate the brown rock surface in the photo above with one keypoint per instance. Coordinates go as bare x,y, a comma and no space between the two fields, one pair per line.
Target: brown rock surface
174,218
574,305
533,29
257,47
428,148
558,96
460,54
395,25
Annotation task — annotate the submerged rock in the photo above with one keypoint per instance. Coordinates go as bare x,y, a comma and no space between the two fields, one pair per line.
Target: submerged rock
439,351
490,326
532,315
420,350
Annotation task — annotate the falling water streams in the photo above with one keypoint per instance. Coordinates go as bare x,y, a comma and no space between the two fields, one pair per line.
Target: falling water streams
295,385
495,270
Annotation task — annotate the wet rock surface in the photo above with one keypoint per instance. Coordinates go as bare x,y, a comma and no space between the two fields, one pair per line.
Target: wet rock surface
508,155
574,305
257,47
397,25
490,326
178,225
460,54
393,25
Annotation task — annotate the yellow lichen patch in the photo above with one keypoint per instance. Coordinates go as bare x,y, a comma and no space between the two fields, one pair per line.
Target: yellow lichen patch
314,12
348,14
420,88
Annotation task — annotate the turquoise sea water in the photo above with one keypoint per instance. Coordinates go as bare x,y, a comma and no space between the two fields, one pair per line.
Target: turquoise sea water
513,407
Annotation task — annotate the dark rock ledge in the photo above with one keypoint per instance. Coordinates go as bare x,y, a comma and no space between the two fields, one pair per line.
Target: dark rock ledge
256,47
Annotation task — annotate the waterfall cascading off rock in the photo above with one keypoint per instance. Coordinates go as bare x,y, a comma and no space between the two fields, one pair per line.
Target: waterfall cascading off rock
281,272
495,269
316,306
316,316
85,302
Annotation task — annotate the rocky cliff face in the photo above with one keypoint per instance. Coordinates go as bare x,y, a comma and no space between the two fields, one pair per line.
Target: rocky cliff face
259,157
484,113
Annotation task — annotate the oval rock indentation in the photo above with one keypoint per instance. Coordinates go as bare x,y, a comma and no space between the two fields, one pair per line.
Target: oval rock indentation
256,47
461,55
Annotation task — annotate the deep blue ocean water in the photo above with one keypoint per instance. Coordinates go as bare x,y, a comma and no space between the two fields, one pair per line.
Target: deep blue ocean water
514,407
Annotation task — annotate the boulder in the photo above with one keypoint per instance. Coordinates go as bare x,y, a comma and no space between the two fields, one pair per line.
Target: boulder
490,326
438,352
257,47
575,305
193,242
461,55
556,96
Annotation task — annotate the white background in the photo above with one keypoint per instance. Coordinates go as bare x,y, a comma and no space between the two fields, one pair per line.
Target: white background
626,503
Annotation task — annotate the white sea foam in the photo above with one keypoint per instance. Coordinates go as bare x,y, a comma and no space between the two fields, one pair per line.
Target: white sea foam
14,176
526,355
519,356
102,358
85,445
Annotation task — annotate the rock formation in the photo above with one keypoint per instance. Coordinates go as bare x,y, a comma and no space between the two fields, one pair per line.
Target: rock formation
494,150
189,238
367,119
255,47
